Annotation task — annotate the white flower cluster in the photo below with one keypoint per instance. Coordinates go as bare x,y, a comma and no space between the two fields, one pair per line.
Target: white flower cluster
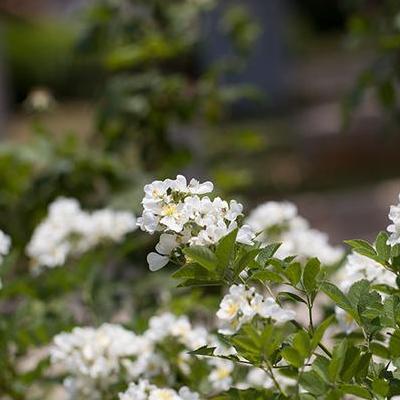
5,244
394,228
186,217
356,268
94,353
149,362
95,358
69,230
280,222
242,304
359,267
143,390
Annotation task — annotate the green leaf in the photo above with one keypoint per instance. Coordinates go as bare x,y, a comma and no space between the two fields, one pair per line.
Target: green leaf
380,386
293,273
339,298
267,276
337,361
363,366
301,343
190,271
360,244
356,390
311,271
351,363
291,296
395,251
244,261
225,248
372,255
382,248
394,344
292,356
203,351
313,383
267,252
202,255
379,350
319,332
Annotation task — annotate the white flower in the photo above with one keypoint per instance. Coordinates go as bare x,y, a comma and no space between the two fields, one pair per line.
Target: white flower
258,378
94,353
246,235
270,214
185,217
221,375
240,305
186,394
143,390
68,230
5,244
279,222
359,267
394,228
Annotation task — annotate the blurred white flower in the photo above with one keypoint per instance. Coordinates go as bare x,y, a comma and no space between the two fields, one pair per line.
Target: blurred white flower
221,374
359,267
394,228
143,390
5,245
240,305
94,353
280,222
68,230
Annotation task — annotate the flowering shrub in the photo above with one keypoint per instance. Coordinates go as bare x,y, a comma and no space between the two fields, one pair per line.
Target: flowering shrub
288,325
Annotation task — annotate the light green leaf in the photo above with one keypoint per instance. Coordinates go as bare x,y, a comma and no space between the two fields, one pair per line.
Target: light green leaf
202,255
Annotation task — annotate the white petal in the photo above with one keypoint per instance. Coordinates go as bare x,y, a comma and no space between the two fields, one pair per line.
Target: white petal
156,261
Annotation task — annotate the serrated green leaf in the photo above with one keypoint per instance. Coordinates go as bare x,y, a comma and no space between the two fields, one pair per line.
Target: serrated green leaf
301,343
203,351
356,390
267,252
225,248
203,256
267,276
382,248
293,273
313,383
311,271
360,244
291,296
292,356
339,298
337,361
319,332
379,350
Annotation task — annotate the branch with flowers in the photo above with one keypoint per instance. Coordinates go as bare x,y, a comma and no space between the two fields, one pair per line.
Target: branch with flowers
295,317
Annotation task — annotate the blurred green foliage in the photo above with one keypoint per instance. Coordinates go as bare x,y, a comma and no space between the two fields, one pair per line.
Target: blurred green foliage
375,27
150,49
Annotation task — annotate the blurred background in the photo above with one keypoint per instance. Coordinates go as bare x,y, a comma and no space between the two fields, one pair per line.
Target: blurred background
270,99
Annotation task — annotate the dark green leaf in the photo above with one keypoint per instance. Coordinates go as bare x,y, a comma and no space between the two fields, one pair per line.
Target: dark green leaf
311,271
